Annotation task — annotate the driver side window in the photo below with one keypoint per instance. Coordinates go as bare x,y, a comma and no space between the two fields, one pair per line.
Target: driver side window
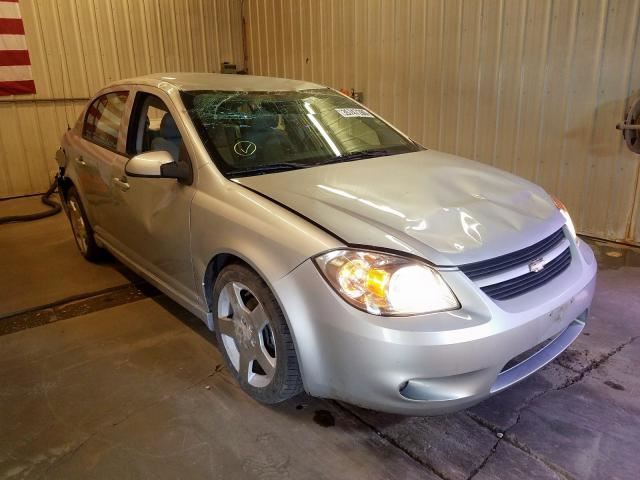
152,128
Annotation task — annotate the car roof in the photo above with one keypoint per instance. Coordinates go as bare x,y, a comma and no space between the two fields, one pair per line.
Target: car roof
218,81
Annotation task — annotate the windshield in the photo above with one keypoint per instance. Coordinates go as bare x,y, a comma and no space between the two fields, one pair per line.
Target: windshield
251,133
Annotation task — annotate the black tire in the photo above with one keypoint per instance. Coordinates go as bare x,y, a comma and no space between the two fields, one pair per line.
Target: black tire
88,249
286,380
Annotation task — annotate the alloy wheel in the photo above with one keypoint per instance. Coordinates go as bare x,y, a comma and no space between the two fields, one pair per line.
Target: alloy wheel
78,226
246,334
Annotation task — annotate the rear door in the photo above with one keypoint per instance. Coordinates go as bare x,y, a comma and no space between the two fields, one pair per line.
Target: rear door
101,144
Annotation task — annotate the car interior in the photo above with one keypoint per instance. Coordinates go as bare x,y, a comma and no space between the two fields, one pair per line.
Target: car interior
157,129
168,137
250,131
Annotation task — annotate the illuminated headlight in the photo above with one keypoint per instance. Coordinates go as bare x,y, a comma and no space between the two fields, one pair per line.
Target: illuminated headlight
384,284
567,217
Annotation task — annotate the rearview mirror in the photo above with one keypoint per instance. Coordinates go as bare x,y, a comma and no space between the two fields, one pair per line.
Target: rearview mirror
156,164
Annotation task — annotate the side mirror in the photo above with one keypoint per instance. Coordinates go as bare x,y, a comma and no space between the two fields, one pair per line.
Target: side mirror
157,164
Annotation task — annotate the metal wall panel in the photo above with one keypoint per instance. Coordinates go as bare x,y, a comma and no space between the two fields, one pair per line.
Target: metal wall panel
531,86
78,46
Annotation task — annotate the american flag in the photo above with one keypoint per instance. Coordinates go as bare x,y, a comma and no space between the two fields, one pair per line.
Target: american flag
15,66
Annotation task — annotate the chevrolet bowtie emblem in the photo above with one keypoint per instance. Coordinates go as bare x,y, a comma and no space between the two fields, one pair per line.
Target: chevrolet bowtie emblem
537,265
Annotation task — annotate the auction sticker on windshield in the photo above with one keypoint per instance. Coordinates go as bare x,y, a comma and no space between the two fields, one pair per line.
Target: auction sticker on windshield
353,112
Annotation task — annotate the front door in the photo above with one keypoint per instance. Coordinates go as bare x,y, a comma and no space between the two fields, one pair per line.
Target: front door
149,217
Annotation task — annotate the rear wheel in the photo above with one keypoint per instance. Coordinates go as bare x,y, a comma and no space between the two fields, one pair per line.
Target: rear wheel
254,337
82,231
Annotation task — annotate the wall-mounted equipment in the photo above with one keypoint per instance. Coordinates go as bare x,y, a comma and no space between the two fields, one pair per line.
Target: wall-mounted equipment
227,67
357,96
631,127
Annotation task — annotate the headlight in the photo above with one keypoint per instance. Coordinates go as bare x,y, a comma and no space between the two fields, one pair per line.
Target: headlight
384,284
567,217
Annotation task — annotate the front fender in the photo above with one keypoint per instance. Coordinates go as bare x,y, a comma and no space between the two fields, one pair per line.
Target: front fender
239,222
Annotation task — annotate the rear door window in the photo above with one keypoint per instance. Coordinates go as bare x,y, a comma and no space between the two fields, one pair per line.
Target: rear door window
103,119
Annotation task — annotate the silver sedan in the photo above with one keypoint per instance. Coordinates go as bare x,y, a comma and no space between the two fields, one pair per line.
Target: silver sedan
327,250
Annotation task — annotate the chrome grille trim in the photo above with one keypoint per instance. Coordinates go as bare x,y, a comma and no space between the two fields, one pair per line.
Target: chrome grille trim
525,283
523,269
504,262
511,275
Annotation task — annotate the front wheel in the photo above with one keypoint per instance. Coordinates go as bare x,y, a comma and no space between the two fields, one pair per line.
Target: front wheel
254,337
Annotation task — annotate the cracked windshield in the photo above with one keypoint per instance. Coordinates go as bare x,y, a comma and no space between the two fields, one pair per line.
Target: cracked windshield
252,133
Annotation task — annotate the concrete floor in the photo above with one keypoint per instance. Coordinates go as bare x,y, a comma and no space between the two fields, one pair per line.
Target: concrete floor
42,257
104,378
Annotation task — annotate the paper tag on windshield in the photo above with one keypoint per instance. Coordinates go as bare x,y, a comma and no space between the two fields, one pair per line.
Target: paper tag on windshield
353,112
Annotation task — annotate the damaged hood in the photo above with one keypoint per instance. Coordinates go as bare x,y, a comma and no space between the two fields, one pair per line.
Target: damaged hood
444,208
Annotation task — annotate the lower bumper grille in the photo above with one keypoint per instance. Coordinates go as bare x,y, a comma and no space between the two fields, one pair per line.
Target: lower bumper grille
524,283
543,356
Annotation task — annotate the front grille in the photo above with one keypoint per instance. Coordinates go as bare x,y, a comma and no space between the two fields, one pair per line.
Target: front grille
483,271
524,283
510,260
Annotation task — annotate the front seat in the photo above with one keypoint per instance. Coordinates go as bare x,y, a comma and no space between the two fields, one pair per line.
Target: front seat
169,138
271,142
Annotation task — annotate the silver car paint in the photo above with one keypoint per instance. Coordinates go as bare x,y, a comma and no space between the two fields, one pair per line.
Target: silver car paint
363,359
246,216
148,164
441,208
450,210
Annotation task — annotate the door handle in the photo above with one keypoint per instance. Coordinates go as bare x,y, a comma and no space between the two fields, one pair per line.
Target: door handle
80,161
121,183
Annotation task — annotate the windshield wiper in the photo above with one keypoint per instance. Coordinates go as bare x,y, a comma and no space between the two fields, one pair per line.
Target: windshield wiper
283,166
269,168
356,156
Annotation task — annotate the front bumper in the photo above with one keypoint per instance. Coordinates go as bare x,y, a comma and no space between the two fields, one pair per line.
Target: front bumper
436,363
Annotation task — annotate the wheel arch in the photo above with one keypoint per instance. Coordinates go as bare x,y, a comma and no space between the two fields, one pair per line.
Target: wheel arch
219,261
214,267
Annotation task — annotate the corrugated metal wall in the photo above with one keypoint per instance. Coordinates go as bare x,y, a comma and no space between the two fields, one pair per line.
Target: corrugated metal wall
77,46
531,86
